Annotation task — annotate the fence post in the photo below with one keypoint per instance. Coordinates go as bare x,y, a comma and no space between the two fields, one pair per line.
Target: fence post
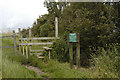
78,55
19,36
23,50
30,40
29,32
26,49
15,47
56,26
71,55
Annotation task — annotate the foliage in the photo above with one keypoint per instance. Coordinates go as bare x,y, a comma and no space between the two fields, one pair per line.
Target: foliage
97,23
62,70
107,62
11,68
60,50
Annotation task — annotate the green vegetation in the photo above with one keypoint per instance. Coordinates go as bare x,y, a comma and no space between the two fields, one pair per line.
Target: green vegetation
102,65
98,25
10,67
107,63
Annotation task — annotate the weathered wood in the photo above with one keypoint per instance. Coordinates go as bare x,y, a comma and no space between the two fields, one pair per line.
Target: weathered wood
56,26
37,53
78,55
39,38
29,32
7,46
71,55
6,36
43,43
40,57
15,46
20,47
36,50
19,30
30,47
23,50
26,49
47,48
49,54
19,36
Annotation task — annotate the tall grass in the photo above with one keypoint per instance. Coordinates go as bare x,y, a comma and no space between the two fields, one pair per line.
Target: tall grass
106,65
11,66
15,70
62,70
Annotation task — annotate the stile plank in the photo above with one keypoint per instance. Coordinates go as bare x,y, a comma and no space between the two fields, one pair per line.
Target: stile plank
43,43
47,48
36,50
39,38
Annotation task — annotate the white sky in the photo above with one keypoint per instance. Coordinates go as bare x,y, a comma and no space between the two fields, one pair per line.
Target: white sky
19,13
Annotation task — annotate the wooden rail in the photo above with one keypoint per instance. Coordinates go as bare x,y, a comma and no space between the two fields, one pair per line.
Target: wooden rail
8,36
43,43
8,46
36,50
39,38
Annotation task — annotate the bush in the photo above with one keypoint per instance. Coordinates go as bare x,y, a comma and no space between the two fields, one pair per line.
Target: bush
60,50
107,63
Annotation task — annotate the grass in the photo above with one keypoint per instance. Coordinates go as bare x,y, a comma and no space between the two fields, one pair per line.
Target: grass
13,66
62,70
15,70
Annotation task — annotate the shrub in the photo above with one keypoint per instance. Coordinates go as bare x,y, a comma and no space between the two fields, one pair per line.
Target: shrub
107,63
60,50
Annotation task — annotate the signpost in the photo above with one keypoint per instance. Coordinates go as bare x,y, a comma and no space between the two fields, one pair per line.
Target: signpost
74,38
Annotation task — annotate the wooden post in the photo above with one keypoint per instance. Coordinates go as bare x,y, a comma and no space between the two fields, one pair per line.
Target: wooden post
49,54
23,50
19,31
23,47
15,47
78,51
29,32
30,39
78,55
19,36
20,47
56,27
26,50
71,55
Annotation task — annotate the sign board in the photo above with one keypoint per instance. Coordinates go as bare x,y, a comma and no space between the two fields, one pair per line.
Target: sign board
72,37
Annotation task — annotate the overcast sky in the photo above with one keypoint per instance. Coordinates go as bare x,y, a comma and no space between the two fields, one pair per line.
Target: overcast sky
20,13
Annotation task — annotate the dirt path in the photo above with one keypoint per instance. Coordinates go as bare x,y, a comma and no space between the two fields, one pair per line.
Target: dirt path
35,69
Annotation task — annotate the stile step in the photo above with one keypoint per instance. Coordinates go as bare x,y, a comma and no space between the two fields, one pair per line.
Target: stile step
37,53
36,50
40,56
